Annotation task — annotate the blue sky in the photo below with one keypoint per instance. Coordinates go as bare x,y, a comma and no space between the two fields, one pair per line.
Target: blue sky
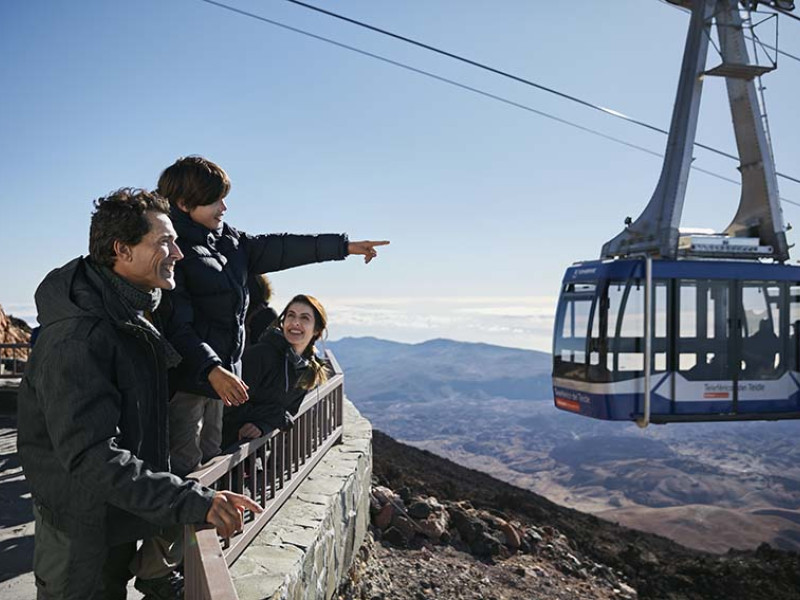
485,204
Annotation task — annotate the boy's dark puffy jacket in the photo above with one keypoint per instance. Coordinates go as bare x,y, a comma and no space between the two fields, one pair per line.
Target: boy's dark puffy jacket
205,313
92,416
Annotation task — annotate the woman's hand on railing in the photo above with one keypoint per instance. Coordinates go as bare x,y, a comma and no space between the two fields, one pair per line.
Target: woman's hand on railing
248,431
227,512
288,422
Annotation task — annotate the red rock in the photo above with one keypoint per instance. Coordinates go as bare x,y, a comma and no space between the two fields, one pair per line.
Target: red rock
383,518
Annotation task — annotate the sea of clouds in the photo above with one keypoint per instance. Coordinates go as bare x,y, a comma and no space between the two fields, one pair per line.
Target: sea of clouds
517,322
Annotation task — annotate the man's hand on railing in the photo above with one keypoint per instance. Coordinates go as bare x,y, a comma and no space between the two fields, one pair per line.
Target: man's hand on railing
227,512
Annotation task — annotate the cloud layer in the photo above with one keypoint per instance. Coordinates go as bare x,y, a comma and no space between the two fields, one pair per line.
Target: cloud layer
518,322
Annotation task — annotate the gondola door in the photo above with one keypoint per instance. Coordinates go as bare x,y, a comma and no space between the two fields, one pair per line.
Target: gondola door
763,346
705,348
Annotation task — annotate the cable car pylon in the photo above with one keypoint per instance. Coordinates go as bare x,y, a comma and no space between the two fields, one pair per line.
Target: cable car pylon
757,229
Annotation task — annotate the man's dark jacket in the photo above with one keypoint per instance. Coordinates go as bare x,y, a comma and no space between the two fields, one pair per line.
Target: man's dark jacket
93,416
205,313
271,370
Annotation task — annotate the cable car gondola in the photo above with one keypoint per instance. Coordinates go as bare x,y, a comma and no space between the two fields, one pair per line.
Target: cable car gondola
669,326
722,343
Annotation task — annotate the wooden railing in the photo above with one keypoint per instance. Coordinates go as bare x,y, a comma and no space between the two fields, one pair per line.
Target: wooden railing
267,470
13,358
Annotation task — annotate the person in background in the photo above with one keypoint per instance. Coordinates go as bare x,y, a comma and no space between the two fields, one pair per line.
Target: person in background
760,352
279,369
260,314
205,314
92,422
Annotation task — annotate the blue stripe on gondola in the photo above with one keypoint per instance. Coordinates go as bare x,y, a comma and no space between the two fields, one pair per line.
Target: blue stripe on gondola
681,269
627,407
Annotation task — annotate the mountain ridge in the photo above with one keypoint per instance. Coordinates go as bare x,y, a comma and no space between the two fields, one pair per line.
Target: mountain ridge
432,342
496,414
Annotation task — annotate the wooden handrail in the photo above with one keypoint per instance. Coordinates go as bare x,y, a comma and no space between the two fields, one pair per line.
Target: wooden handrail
205,570
17,353
268,470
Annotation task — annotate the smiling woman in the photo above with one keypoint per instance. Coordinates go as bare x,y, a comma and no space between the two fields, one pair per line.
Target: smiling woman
279,369
303,321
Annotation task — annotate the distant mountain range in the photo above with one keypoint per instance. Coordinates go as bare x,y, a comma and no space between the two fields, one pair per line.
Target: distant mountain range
380,370
710,486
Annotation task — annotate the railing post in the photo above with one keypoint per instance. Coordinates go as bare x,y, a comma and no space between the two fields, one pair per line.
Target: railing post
15,353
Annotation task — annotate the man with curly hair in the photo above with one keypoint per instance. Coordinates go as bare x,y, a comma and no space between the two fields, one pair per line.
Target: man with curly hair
93,412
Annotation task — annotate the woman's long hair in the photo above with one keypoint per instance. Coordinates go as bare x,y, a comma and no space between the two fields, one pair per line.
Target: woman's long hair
316,373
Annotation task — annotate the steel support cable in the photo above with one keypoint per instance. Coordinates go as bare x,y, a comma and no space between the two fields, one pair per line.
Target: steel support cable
516,78
465,87
776,49
792,56
788,14
785,53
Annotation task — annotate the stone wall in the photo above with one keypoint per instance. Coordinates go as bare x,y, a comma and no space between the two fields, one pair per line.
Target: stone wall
310,543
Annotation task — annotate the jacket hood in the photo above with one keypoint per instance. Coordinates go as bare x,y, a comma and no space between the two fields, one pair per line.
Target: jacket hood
75,291
274,336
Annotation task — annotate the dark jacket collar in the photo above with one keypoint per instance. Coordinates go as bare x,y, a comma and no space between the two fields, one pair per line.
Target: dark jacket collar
80,290
274,336
191,231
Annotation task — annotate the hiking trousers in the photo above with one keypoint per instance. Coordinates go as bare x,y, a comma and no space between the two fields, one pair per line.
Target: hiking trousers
195,431
78,567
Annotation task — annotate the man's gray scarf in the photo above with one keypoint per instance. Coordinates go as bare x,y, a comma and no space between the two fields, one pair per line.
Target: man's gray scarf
139,301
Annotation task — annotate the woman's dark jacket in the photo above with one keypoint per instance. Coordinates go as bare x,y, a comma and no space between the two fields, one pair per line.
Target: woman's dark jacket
271,369
92,422
205,313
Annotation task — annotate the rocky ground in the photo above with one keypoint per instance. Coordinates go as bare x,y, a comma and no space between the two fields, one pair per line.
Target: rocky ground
442,531
385,572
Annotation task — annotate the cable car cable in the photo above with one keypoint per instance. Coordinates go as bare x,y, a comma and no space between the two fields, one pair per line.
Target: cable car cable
471,89
517,78
483,66
775,49
448,81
